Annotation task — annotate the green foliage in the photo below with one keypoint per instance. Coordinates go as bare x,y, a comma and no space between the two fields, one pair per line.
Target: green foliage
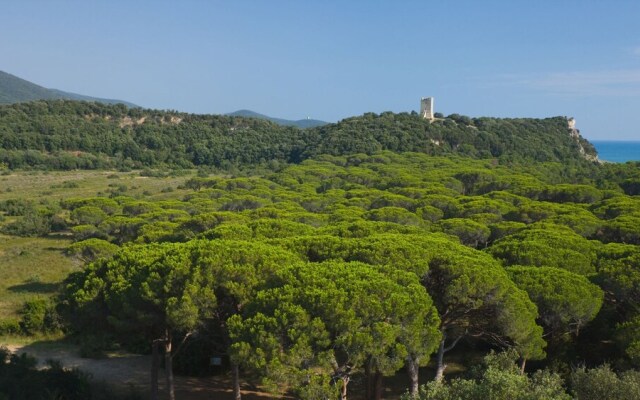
14,207
498,378
469,232
158,281
38,316
603,383
630,339
70,135
565,301
34,222
91,249
549,246
157,231
20,379
109,206
631,186
622,229
88,215
362,229
256,255
476,297
85,232
327,320
393,214
10,326
274,228
570,194
504,228
619,274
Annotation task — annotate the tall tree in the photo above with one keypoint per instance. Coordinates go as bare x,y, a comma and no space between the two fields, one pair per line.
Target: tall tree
565,301
321,323
151,292
239,269
475,298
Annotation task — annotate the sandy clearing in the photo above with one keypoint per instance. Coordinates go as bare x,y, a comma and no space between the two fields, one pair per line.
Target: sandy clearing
124,371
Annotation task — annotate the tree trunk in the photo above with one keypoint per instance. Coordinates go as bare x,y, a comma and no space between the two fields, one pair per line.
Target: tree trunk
155,365
369,381
343,389
168,367
523,364
378,388
413,365
440,366
236,381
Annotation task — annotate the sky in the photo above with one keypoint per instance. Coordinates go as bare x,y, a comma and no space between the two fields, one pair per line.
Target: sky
329,59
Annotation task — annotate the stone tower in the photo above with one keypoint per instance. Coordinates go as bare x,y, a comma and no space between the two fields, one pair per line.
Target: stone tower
426,107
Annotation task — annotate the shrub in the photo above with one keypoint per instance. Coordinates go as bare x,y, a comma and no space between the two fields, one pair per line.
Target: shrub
16,207
70,185
33,223
603,383
38,316
20,379
88,215
91,249
10,327
84,232
498,378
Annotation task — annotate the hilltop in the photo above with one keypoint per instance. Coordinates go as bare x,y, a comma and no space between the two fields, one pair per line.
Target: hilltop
16,90
63,134
301,123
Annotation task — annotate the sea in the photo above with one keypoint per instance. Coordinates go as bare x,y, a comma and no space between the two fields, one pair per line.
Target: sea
617,151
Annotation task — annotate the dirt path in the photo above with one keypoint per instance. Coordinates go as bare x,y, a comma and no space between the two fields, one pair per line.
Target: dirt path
131,371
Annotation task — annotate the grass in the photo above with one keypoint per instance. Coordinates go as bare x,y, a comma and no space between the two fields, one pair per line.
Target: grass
35,267
31,267
52,341
57,185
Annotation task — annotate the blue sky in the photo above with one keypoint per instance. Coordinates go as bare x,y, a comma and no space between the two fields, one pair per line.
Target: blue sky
334,59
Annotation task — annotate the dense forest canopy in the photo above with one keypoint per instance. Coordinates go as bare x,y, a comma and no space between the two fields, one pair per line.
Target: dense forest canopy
70,134
367,248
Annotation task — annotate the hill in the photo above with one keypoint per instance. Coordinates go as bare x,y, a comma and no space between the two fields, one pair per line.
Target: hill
16,90
65,134
301,123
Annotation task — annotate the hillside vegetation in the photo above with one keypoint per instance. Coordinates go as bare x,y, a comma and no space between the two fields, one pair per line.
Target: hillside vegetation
72,135
17,90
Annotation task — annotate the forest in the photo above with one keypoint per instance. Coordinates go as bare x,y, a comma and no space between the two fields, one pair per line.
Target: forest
322,262
67,135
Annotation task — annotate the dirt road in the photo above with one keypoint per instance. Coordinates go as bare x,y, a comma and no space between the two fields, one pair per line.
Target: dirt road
131,371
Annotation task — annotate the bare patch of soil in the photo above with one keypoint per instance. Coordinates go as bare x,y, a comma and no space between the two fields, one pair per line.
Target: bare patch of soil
131,371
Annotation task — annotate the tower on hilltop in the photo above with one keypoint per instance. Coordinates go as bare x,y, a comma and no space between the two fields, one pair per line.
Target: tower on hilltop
426,107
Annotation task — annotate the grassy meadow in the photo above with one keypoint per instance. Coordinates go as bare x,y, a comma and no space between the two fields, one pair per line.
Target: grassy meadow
32,267
58,185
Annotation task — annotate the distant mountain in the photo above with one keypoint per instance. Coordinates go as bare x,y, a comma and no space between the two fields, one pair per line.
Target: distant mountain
301,123
17,90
